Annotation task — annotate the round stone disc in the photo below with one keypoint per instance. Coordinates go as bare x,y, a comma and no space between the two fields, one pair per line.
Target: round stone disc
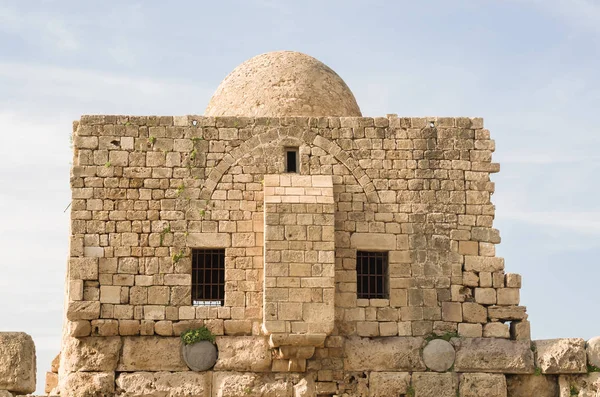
200,356
439,355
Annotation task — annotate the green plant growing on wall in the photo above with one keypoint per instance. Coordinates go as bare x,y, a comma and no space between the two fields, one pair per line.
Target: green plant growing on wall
151,140
107,164
574,391
410,391
163,233
538,371
180,189
177,256
592,368
196,335
447,336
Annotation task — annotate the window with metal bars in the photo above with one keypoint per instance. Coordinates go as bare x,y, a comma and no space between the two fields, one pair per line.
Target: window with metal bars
208,277
372,275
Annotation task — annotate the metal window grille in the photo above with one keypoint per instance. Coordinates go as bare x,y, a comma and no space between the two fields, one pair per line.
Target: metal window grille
208,277
372,275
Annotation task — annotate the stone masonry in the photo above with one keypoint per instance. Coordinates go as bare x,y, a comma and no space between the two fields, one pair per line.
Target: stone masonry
146,191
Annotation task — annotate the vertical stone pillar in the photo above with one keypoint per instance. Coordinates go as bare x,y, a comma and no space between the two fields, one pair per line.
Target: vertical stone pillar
299,259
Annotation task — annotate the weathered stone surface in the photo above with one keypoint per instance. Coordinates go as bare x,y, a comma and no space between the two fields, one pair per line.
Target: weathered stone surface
478,385
592,349
151,353
430,384
164,384
306,387
579,385
51,382
385,354
88,384
384,384
256,89
200,356
243,353
439,355
55,365
5,393
236,384
83,310
561,356
91,354
493,355
532,385
17,362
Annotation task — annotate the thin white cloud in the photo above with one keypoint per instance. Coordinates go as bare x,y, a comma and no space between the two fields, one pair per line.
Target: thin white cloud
580,14
50,28
584,222
552,156
92,91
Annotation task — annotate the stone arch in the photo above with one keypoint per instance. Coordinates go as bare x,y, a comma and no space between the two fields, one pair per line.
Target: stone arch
306,136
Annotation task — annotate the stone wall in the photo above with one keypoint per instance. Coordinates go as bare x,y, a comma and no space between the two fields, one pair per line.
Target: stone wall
146,190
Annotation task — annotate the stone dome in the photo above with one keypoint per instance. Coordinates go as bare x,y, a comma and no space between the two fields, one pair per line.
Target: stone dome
283,83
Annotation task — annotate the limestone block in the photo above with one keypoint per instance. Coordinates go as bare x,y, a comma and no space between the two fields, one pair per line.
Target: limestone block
579,385
6,393
439,355
78,329
373,241
470,330
208,240
520,330
493,355
243,353
385,384
151,353
385,354
483,263
508,313
55,365
83,310
88,384
235,384
51,382
474,312
488,385
561,356
532,385
164,384
496,330
17,362
508,296
429,384
91,354
593,351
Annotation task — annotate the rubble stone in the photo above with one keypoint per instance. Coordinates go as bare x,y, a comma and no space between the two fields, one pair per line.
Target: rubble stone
561,356
17,362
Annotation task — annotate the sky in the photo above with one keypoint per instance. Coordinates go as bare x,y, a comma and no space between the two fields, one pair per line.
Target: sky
529,67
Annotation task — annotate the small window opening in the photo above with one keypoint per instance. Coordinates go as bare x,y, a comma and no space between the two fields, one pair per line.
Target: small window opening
291,159
372,275
208,277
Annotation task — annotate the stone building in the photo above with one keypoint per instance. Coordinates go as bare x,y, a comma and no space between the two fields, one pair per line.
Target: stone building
331,254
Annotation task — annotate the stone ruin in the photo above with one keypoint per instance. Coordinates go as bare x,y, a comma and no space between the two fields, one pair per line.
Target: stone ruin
330,254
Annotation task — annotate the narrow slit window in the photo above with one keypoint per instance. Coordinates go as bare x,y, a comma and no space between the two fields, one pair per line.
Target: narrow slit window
291,160
372,275
208,277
